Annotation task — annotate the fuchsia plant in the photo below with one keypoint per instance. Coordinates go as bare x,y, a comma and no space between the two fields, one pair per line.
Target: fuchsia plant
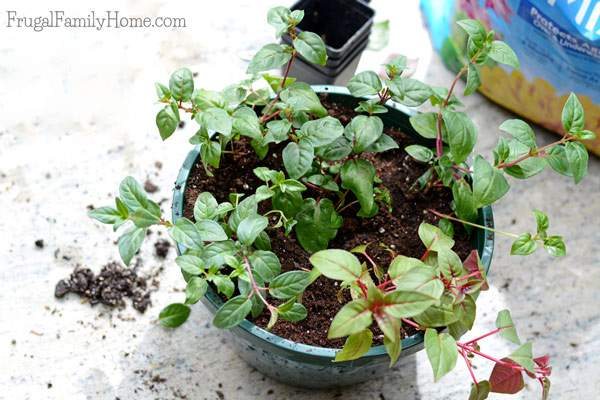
228,247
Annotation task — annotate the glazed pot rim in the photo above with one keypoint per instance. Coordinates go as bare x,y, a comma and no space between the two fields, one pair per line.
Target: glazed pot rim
485,214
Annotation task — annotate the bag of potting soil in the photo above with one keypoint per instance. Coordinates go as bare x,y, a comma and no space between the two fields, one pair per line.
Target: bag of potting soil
558,45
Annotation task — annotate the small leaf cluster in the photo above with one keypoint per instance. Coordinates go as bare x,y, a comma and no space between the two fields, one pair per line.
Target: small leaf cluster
527,243
436,291
133,206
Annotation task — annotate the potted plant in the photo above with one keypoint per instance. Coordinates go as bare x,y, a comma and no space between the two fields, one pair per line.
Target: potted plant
344,41
334,230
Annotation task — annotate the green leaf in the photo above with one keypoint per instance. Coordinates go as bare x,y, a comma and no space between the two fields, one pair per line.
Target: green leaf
380,35
210,153
245,208
402,304
277,131
396,66
356,345
384,143
289,284
461,134
557,159
526,168
393,348
474,29
205,207
174,315
250,227
211,231
502,53
270,56
311,47
298,158
523,245
166,121
473,80
480,391
410,92
371,107
425,124
190,264
130,242
541,220
363,131
464,202
520,130
233,312
573,117
337,264
441,351
505,323
301,97
449,263
354,317
186,233
365,83
296,313
585,135
433,238
181,84
106,215
143,218
195,290
245,122
287,202
132,194
412,275
337,150
224,284
524,357
265,264
358,175
208,98
577,157
466,312
163,92
279,17
555,246
489,184
215,119
321,132
438,315
318,223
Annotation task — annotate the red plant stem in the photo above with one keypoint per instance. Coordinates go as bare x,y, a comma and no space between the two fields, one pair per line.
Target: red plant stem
255,287
472,350
471,275
424,256
369,259
385,284
362,287
537,153
285,76
270,117
483,336
412,323
469,366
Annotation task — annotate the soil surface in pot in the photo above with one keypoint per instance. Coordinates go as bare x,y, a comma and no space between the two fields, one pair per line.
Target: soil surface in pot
396,229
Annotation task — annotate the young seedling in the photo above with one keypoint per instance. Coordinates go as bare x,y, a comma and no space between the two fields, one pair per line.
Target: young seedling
326,174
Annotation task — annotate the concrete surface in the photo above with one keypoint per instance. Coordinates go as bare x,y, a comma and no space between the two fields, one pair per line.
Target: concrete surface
77,115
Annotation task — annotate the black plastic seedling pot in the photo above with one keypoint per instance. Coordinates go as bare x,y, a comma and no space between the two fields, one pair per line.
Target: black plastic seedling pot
344,26
311,366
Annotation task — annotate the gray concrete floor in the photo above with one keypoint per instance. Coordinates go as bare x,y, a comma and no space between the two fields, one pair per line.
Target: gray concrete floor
77,115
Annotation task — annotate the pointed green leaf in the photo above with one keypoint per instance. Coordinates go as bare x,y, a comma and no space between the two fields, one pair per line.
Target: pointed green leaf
181,84
505,323
233,312
365,83
337,264
130,242
441,351
358,176
298,158
489,184
573,117
289,284
502,53
317,224
311,47
354,317
357,345
250,227
268,57
174,315
523,245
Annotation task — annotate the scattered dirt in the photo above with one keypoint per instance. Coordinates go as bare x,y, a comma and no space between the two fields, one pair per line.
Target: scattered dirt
150,187
110,287
161,248
396,229
39,243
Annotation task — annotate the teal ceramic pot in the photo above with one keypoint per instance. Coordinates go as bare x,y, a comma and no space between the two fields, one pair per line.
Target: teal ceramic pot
310,366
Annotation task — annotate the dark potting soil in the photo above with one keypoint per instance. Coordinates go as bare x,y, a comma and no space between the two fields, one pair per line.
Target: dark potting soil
396,229
110,287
